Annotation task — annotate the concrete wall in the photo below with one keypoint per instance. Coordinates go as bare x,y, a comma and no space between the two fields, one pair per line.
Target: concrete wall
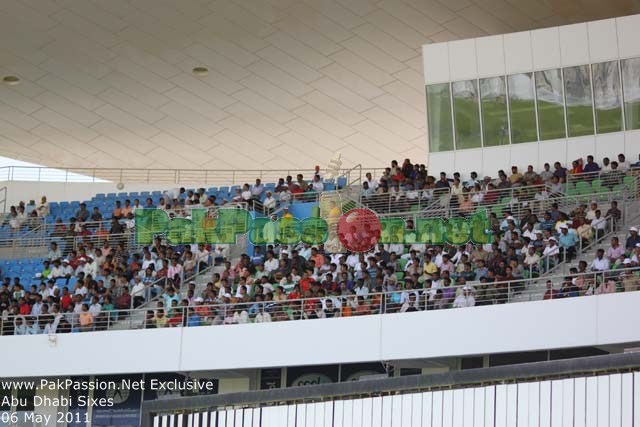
586,321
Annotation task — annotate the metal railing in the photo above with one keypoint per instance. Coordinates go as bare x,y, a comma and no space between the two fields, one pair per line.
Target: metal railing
469,294
159,176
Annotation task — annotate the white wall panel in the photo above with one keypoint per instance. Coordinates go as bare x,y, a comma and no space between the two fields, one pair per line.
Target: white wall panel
436,63
628,36
447,408
478,406
469,403
427,409
523,155
501,406
494,159
367,407
592,402
376,412
567,402
557,403
489,406
387,407
615,400
441,162
338,413
603,40
606,400
517,52
490,56
636,394
462,60
534,404
310,415
551,151
545,404
580,400
396,411
416,410
603,401
406,410
545,47
626,415
580,148
347,414
458,408
436,414
609,145
523,405
328,411
574,44
632,144
466,161
356,413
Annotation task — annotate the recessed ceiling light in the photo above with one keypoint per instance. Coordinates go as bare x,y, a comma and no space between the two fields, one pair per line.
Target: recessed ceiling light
201,71
11,80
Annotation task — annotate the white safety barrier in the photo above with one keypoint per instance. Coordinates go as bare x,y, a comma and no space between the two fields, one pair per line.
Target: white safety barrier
607,400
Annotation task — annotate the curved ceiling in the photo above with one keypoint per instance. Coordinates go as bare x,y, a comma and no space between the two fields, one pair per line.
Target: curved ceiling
110,84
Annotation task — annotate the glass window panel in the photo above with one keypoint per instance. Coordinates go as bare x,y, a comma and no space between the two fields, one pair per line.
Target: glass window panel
606,93
577,91
550,104
439,118
522,108
631,86
495,125
466,114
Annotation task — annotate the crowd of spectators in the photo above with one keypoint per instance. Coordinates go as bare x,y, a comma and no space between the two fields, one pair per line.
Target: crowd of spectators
82,286
402,187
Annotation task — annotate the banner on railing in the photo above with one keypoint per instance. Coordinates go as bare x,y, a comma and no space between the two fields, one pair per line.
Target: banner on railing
357,230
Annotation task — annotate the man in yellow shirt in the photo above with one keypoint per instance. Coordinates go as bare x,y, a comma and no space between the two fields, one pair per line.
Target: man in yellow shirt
429,267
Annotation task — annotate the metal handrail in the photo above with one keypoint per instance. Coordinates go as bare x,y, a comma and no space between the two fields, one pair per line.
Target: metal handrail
155,176
512,291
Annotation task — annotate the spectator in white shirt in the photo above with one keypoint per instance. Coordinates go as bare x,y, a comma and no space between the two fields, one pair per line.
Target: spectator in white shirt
318,185
271,263
373,184
257,189
54,252
269,203
600,263
623,164
465,299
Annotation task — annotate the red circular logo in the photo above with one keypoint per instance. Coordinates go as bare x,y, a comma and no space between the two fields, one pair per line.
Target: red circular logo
359,230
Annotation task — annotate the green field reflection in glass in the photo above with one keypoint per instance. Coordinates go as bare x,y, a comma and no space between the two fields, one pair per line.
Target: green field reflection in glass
631,85
577,90
606,93
522,108
467,114
439,118
550,104
495,121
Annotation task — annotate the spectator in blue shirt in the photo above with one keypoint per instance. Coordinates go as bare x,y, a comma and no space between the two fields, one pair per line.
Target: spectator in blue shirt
591,166
567,242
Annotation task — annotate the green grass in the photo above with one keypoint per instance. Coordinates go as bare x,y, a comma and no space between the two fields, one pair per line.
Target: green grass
632,115
609,120
580,120
523,121
551,120
495,123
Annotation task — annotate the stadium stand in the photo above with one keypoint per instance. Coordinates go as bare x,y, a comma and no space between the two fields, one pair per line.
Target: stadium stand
95,277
